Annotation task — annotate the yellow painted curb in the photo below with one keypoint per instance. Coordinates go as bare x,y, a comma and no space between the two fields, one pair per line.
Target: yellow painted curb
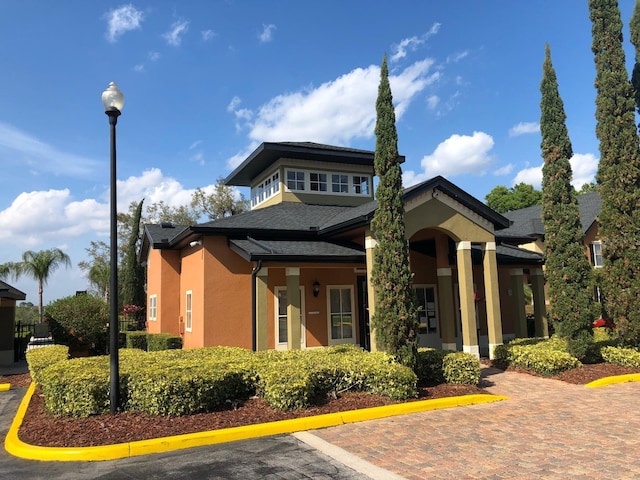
604,382
18,448
4,387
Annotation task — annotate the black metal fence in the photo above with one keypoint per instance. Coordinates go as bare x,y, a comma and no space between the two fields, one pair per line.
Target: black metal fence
23,333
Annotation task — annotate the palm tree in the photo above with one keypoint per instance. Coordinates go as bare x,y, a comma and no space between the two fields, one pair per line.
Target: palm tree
37,265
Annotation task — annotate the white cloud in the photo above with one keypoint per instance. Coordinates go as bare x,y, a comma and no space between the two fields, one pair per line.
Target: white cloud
335,112
208,35
139,68
506,170
456,57
19,147
524,128
153,56
412,43
233,104
458,154
432,102
121,20
175,33
267,33
583,166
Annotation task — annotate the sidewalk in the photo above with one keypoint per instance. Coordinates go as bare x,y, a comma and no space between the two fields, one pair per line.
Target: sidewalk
547,429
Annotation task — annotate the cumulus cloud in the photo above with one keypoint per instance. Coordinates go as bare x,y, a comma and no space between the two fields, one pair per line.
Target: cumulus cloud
18,147
267,33
458,154
583,165
122,20
208,35
175,33
524,128
506,170
337,111
413,43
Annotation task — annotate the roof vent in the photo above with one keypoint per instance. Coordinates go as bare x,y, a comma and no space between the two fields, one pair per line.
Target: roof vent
314,228
166,225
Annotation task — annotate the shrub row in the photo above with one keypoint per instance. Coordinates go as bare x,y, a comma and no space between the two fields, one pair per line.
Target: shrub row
180,382
436,366
152,342
546,357
39,359
626,357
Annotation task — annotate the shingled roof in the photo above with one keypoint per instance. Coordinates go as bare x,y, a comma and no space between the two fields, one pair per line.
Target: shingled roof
7,291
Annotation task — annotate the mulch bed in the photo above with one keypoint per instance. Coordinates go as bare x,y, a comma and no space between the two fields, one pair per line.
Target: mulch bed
39,428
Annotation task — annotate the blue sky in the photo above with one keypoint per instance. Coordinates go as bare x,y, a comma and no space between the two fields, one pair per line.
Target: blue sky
206,81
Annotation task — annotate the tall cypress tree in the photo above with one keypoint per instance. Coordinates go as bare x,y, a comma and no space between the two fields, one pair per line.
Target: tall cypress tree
395,320
634,27
132,270
618,172
567,271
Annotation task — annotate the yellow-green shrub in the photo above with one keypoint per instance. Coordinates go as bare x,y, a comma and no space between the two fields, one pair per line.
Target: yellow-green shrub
40,358
626,357
546,357
461,367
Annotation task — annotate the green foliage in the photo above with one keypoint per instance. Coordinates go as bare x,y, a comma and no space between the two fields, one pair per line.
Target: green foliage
79,321
163,341
626,357
40,358
568,272
429,366
132,272
437,366
27,312
618,173
546,357
634,27
395,321
223,202
136,340
522,195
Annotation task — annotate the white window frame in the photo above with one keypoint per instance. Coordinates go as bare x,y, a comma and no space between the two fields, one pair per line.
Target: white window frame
276,308
153,308
596,255
266,189
300,178
188,311
318,183
340,183
357,181
330,314
344,180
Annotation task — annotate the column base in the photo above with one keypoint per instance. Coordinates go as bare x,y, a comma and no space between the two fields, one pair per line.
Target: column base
492,346
472,349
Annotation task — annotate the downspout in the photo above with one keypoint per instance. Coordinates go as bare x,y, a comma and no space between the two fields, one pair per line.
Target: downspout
254,274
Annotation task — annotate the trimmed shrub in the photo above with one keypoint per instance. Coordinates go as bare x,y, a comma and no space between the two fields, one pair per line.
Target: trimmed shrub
40,358
546,357
624,356
137,340
461,367
163,341
429,366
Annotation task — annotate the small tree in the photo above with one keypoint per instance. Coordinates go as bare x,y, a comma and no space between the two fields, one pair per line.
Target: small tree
221,203
39,266
522,195
132,271
567,268
395,320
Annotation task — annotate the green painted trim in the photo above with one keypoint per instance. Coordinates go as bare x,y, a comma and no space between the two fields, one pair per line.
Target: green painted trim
605,382
18,448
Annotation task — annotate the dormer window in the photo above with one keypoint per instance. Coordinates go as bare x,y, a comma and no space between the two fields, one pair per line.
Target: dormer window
339,183
360,185
318,182
342,183
295,180
266,189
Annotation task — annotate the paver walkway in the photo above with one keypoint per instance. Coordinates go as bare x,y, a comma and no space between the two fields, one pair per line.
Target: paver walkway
547,429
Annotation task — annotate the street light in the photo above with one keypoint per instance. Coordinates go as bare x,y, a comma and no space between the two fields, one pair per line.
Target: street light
113,101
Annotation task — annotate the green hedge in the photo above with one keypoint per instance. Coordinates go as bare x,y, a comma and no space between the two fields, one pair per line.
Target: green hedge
153,342
436,366
180,382
136,340
626,357
546,357
38,359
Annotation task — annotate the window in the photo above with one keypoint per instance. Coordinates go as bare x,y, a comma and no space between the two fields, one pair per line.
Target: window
276,182
153,308
427,315
282,334
265,190
188,312
295,180
318,182
596,254
339,183
360,185
341,314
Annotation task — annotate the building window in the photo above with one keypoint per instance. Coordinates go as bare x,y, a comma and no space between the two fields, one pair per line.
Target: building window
282,334
265,190
360,185
341,314
153,308
318,182
427,314
596,254
188,312
295,180
339,183
275,179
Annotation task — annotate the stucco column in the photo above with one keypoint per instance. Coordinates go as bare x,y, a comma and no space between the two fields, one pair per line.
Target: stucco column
446,309
467,303
492,296
262,336
369,245
517,291
293,309
539,305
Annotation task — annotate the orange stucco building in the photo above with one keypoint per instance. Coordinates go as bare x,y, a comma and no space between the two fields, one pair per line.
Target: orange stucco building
293,271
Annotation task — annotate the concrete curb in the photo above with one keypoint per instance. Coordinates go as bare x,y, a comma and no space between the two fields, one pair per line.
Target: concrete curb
18,448
4,387
604,382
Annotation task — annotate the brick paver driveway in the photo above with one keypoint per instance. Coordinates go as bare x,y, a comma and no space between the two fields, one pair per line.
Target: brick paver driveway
547,429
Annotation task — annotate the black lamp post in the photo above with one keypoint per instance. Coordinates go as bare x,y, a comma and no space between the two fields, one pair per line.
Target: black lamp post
113,101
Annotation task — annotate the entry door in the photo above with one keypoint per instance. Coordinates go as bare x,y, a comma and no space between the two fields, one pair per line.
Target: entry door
429,331
281,319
